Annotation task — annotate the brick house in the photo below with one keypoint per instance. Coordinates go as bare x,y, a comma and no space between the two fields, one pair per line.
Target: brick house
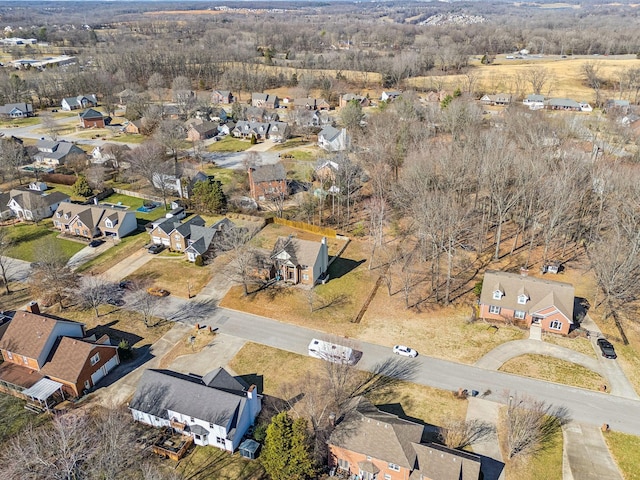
133,127
268,181
202,131
91,119
300,261
373,444
528,300
91,221
36,348
351,97
173,233
222,96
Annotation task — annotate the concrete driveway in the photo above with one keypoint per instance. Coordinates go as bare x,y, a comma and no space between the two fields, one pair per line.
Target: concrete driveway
216,354
127,266
586,455
87,253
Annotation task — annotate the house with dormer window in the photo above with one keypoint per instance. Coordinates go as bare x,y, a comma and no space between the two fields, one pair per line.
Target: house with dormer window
90,221
527,300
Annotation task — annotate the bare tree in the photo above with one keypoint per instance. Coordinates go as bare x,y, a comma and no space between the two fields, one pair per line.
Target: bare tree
456,433
52,278
149,161
244,260
539,78
96,291
183,95
156,85
530,425
591,72
171,135
143,302
7,264
51,126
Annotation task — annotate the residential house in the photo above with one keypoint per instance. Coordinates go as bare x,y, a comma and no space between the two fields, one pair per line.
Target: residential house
55,153
326,171
562,104
44,355
434,97
534,102
322,104
202,131
125,96
268,181
305,103
372,444
527,300
332,139
351,97
389,96
216,409
264,100
90,221
222,96
34,206
226,128
300,261
133,127
81,101
173,233
16,110
618,106
5,211
279,131
219,115
91,119
244,129
172,112
255,114
109,152
203,239
501,99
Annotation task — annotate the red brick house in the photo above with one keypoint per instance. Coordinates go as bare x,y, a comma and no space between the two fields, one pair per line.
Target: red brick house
91,119
222,96
300,261
377,445
510,297
44,356
268,181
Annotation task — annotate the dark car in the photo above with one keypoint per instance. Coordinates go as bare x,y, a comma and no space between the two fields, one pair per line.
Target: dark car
607,349
125,285
156,248
95,243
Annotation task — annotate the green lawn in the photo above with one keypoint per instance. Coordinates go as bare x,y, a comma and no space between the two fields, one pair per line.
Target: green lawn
305,155
229,144
128,138
225,175
204,463
291,143
626,452
134,203
15,418
27,238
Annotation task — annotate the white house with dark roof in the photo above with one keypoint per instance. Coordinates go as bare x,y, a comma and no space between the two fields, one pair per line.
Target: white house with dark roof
16,110
34,205
81,101
332,139
216,409
55,153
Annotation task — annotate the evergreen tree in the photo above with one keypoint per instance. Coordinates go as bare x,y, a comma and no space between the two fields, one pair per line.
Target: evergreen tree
82,188
209,197
286,454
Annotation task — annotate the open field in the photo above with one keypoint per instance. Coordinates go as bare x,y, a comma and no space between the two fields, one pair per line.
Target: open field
128,138
19,122
625,450
29,238
554,370
501,75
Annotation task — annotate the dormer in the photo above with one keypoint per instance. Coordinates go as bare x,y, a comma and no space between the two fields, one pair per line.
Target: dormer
66,216
59,214
523,297
109,223
498,292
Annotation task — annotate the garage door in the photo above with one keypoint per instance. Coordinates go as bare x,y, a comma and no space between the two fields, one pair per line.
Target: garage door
106,368
157,240
165,241
96,377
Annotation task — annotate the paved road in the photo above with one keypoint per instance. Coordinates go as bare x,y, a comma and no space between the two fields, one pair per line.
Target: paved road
17,270
594,408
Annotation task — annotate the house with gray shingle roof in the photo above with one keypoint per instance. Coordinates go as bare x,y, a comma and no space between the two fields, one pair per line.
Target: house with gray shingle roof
268,181
55,153
370,443
512,297
216,409
91,118
203,239
300,261
33,205
90,221
16,110
81,101
332,139
562,104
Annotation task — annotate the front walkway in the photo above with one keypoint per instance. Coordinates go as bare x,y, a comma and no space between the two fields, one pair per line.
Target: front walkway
492,463
586,455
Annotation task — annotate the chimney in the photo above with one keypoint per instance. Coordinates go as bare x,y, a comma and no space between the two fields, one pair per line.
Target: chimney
33,307
95,200
524,271
332,419
251,392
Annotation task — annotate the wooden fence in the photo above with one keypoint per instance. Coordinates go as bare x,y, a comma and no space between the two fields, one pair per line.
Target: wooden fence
307,227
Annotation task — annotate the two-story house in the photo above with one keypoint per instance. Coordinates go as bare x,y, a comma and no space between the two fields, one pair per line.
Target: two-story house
36,348
91,118
528,300
35,205
264,100
216,409
376,445
333,139
222,96
300,261
173,233
268,181
91,221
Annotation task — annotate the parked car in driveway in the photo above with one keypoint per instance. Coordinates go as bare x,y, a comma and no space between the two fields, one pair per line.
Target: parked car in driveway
156,248
95,243
405,351
606,348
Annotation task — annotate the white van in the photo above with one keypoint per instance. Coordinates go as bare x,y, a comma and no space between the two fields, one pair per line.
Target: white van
332,352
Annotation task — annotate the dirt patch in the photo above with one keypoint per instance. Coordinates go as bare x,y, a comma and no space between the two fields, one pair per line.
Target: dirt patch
181,278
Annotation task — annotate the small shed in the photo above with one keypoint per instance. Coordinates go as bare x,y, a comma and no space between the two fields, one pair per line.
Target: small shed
552,267
249,449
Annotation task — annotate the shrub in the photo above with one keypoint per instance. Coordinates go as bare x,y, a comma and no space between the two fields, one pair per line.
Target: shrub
124,350
199,262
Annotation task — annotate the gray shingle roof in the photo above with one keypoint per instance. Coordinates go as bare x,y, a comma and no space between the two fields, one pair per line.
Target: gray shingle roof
329,133
437,461
161,390
301,252
8,107
267,173
91,113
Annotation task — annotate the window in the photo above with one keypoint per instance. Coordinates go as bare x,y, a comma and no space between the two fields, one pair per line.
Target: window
519,314
87,384
80,223
198,437
522,299
497,295
305,276
211,425
108,224
95,359
193,420
494,309
343,464
555,325
25,360
10,355
394,467
387,476
220,440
